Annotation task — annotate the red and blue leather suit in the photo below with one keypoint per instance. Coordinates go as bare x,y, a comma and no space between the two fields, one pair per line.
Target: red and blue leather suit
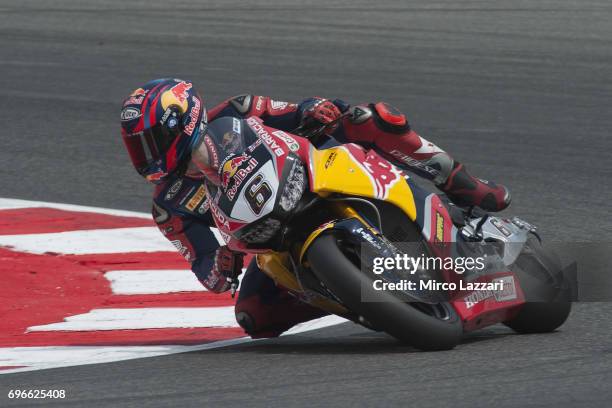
263,309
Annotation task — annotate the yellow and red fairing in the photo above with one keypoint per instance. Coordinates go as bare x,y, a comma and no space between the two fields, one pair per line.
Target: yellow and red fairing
353,171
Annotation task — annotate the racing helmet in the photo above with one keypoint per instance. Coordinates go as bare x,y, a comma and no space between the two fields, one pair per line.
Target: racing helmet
160,124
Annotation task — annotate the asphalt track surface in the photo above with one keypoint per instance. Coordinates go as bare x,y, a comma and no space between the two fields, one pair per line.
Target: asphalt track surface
519,90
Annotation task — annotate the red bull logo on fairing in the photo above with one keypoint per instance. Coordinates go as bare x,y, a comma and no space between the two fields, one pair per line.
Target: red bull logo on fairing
231,171
230,167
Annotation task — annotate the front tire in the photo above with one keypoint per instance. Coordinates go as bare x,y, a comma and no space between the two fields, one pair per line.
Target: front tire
426,327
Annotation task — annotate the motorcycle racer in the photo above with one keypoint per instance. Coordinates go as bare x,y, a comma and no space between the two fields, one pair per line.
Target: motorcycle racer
164,128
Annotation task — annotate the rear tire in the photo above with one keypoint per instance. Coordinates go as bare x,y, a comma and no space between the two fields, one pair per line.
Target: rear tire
409,322
541,278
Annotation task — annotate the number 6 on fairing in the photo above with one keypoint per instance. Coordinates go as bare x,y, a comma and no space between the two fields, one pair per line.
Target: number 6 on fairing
258,192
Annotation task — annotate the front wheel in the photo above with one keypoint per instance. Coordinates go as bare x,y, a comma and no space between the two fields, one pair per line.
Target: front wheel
424,326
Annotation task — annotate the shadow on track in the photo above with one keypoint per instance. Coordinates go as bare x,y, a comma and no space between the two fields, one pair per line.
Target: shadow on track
358,341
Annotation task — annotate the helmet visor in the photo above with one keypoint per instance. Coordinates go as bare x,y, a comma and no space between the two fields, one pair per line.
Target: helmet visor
148,146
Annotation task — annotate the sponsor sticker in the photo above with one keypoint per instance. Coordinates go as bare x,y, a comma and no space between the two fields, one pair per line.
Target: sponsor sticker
220,219
136,97
368,237
254,145
210,146
233,172
165,116
193,116
196,199
185,196
439,227
174,188
129,113
180,90
263,134
236,126
278,105
203,208
501,228
508,292
289,141
230,167
384,174
509,289
182,249
156,176
476,297
404,158
330,159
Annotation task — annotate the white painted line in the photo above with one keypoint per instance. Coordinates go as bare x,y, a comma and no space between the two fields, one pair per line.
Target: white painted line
149,282
14,203
315,324
146,282
39,358
101,241
60,356
145,318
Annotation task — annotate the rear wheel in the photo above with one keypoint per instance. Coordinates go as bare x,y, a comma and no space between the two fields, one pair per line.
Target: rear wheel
425,326
546,289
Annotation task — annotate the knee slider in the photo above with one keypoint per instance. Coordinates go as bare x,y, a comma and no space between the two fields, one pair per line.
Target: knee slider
389,118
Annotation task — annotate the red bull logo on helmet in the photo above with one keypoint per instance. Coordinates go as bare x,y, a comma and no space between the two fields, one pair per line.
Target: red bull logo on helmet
177,95
193,116
135,97
139,92
180,90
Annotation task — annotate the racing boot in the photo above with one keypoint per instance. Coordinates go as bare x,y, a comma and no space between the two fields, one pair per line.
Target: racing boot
468,191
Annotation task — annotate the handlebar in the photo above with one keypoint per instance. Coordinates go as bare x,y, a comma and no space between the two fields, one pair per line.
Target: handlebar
314,133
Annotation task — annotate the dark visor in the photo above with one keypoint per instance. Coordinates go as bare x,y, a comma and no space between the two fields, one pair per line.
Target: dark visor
149,145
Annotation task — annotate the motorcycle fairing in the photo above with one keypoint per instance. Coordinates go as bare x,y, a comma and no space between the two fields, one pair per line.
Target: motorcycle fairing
353,171
258,164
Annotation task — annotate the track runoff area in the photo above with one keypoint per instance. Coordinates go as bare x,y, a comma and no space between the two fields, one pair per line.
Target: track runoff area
84,285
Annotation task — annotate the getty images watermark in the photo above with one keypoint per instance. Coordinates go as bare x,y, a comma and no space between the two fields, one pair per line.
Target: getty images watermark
476,271
409,265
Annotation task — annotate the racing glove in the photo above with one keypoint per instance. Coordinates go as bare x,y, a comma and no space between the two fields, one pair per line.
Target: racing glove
227,267
321,112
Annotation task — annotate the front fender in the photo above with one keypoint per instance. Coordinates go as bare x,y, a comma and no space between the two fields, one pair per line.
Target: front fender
354,229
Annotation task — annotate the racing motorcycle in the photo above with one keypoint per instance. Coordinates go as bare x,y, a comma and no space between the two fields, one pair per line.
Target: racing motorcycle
316,217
